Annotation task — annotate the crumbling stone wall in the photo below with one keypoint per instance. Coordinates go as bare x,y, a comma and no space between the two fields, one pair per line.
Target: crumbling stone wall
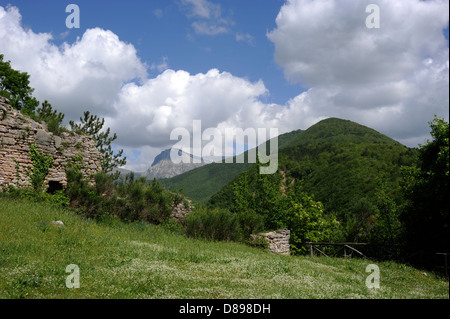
180,210
18,132
278,241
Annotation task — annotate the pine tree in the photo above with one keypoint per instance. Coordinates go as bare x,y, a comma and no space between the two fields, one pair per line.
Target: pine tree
92,126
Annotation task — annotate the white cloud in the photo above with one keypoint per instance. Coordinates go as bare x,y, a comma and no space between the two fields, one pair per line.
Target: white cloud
202,9
393,79
149,112
208,28
245,37
208,17
97,64
162,66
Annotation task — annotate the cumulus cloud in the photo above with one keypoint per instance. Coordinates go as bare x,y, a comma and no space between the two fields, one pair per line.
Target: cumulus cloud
173,99
97,64
394,78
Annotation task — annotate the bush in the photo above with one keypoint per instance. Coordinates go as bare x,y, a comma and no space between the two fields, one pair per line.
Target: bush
217,224
250,223
104,184
142,201
129,199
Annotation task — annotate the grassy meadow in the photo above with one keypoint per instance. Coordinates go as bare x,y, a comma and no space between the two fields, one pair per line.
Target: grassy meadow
136,260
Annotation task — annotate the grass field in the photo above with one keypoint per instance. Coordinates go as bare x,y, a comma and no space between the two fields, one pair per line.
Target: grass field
117,260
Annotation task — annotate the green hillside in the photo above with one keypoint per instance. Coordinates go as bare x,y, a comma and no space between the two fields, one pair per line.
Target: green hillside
201,183
339,162
141,261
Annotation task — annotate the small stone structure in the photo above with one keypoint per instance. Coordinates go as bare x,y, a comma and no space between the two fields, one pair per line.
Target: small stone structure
180,211
18,132
278,241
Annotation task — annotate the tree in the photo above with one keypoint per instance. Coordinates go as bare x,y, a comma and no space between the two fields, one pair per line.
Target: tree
306,219
92,126
284,204
425,216
53,119
14,85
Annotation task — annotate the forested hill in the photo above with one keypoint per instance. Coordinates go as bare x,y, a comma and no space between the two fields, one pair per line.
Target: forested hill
201,183
340,162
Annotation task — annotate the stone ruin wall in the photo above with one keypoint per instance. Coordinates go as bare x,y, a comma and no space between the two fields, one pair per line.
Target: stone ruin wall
18,132
180,211
278,241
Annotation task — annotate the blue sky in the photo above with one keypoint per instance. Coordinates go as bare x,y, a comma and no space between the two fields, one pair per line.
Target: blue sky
148,67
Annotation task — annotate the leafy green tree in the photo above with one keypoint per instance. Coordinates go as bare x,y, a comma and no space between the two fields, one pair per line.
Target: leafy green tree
425,216
92,126
359,220
14,85
306,220
284,204
387,231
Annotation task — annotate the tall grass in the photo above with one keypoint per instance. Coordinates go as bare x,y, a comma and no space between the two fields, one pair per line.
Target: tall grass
140,260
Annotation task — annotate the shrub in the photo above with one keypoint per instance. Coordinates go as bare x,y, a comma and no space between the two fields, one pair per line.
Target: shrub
104,184
217,224
250,223
41,167
128,198
81,194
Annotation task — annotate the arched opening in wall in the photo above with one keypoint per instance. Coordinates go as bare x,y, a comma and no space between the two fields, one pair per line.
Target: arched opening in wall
54,186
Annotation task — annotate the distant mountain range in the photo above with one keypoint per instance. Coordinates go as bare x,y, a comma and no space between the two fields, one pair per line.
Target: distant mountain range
163,167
